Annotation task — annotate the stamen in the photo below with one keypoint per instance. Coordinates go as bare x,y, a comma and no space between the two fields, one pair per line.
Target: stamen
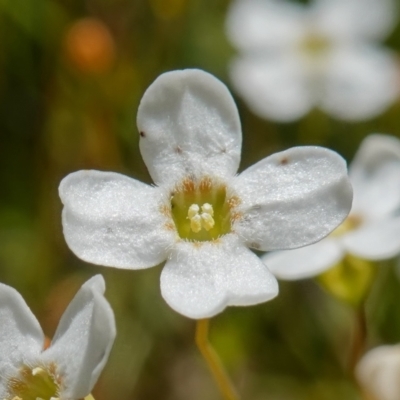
195,223
207,208
204,220
207,221
193,211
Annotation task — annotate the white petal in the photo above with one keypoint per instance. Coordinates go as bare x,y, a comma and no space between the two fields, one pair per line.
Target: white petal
83,339
200,280
21,337
361,82
275,87
375,241
112,220
375,176
378,372
293,198
354,19
305,262
189,125
264,24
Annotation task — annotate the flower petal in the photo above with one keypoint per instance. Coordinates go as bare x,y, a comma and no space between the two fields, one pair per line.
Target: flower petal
264,24
378,372
189,125
21,337
375,241
200,280
292,199
305,262
112,220
355,19
375,176
360,83
275,87
83,339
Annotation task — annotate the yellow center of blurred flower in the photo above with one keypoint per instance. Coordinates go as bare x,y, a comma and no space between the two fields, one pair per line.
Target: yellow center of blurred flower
202,210
314,45
37,383
350,223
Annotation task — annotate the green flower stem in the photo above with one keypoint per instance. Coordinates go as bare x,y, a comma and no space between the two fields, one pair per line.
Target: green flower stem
221,377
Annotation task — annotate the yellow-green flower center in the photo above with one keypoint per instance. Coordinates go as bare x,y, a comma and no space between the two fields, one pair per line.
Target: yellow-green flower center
34,384
202,210
314,45
350,223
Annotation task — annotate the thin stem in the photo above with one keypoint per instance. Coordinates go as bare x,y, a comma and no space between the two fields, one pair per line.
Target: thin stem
221,377
359,338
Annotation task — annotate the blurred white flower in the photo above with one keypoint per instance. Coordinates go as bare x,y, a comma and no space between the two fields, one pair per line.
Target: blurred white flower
294,57
372,229
378,373
201,217
70,367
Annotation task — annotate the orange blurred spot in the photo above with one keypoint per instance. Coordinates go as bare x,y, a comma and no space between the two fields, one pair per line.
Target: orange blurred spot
90,46
47,343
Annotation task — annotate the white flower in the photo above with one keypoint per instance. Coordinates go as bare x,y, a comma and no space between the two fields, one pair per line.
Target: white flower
70,367
378,373
201,217
327,54
372,230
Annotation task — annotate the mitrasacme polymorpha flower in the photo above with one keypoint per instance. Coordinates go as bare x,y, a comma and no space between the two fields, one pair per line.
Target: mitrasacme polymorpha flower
69,368
325,54
200,216
372,229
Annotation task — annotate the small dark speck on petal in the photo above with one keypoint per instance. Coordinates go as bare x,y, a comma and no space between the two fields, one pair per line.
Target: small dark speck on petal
142,134
284,161
178,150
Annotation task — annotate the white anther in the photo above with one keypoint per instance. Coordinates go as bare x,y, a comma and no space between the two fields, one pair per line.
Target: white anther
193,210
207,208
207,221
195,223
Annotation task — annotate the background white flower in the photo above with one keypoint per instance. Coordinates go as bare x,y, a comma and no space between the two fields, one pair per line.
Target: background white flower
70,367
294,57
372,229
201,217
378,373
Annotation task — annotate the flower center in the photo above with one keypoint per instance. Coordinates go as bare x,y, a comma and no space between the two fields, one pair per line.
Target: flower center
34,384
350,223
201,210
314,45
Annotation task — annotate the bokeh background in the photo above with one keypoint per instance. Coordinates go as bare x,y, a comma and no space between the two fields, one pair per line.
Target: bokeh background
71,77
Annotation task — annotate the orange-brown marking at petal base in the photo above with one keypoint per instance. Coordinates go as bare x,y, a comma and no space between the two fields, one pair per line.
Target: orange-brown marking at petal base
165,210
233,202
188,185
236,216
205,185
169,226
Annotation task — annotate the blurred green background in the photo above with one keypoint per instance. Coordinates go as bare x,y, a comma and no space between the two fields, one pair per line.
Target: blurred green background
71,76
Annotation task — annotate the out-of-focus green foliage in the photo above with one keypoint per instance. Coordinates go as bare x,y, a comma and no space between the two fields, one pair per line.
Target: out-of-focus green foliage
71,76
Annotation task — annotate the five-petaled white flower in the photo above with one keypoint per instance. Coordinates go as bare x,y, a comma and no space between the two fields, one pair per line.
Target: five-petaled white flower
378,373
294,57
200,217
371,231
69,368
